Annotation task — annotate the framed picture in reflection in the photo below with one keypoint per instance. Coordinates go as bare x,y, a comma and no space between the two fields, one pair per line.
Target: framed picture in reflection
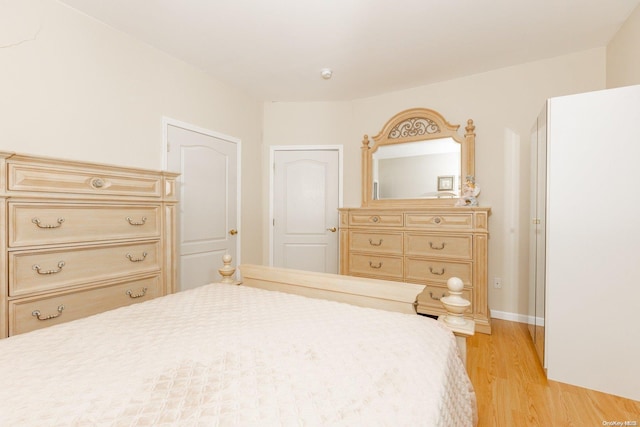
445,183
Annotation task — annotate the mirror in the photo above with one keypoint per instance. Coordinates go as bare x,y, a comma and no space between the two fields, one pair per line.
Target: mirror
418,158
417,170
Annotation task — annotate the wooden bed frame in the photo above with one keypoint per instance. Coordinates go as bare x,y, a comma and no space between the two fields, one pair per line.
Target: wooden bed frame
380,294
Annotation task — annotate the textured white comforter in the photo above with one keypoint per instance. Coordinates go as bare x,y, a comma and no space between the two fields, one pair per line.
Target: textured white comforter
224,355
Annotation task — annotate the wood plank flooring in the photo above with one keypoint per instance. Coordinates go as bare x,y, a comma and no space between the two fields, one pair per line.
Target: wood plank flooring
512,389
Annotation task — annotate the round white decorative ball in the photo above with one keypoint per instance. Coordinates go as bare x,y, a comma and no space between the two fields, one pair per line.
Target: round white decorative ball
226,258
455,284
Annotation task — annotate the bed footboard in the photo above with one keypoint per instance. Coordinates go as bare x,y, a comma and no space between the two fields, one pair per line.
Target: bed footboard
373,293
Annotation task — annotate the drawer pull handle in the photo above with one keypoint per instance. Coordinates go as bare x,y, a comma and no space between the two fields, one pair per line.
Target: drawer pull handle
142,293
36,267
437,248
375,266
141,222
39,316
437,220
436,298
375,244
37,222
132,259
437,273
97,183
375,218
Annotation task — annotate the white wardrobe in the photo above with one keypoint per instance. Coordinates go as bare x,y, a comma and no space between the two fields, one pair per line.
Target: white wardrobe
585,240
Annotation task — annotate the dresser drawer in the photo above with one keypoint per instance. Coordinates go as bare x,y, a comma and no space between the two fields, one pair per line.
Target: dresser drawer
60,308
439,245
435,221
376,219
376,265
34,177
433,270
43,270
49,224
432,293
376,242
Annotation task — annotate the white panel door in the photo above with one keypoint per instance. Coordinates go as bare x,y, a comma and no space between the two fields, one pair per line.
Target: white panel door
208,194
305,206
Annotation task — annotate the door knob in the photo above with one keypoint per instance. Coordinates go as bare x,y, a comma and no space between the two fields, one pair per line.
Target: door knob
332,229
233,231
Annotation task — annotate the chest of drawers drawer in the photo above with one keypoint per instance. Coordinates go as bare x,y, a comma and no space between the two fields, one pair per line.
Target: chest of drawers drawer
437,221
439,245
45,270
376,242
28,314
376,219
50,224
34,177
433,270
382,266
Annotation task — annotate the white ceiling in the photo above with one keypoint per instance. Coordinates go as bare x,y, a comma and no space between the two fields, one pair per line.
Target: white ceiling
274,50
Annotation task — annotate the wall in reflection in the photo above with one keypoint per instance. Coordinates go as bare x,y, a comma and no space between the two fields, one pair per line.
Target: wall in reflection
417,176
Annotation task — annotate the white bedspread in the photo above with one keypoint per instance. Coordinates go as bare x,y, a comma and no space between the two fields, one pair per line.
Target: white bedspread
224,355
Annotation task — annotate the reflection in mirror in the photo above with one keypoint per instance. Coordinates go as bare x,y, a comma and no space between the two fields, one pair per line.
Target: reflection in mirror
417,170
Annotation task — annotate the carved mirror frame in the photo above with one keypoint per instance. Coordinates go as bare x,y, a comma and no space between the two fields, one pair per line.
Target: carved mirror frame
412,125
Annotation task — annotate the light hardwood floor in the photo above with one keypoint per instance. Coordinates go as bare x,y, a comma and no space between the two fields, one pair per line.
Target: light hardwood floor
512,389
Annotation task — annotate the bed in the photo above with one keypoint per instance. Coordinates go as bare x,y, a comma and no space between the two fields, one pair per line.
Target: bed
282,348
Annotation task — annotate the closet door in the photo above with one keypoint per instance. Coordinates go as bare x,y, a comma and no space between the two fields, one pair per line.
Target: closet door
306,197
209,194
537,233
541,233
533,229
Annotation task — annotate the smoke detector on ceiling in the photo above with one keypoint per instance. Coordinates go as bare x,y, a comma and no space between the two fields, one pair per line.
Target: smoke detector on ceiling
326,73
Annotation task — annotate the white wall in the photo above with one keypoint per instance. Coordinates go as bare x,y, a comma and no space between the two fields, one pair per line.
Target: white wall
75,88
508,98
623,54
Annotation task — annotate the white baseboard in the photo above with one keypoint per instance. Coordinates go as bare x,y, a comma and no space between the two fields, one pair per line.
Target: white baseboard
516,317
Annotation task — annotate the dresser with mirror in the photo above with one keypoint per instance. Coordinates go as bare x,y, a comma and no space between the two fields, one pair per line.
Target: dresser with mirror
411,226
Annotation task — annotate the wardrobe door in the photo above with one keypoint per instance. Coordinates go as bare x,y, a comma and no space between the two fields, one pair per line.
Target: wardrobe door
541,234
592,241
537,231
533,229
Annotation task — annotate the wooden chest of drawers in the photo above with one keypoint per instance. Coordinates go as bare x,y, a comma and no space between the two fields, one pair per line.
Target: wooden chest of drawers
426,246
81,238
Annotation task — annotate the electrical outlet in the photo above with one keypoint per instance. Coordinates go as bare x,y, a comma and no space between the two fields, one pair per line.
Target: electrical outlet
497,283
